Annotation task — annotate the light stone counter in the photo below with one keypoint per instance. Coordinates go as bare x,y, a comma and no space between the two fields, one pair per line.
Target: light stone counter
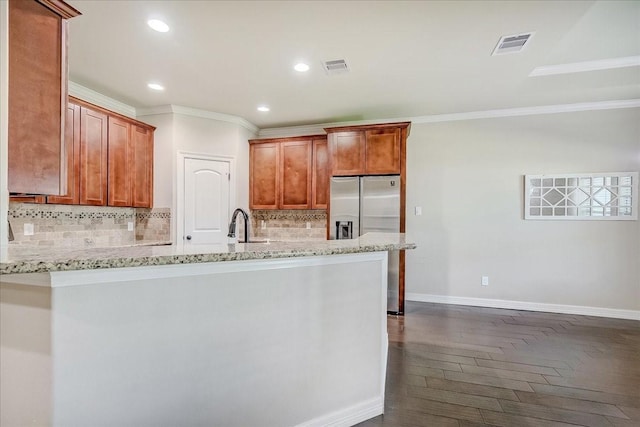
34,260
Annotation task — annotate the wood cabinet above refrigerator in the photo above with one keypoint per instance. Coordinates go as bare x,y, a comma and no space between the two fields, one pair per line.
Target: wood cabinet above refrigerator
367,149
37,95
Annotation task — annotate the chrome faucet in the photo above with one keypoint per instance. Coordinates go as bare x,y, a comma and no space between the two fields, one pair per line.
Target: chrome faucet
232,226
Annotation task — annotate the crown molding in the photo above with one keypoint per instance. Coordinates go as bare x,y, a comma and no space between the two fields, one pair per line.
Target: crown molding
318,129
580,67
473,115
530,111
101,100
195,112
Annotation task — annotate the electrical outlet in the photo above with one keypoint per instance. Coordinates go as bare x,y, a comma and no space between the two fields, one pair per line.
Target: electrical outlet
485,281
308,225
28,229
263,224
130,226
418,210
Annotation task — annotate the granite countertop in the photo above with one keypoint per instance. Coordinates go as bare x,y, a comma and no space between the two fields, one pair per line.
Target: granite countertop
30,260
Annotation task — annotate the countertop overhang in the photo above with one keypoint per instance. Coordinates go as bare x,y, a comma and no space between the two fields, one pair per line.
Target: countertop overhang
34,260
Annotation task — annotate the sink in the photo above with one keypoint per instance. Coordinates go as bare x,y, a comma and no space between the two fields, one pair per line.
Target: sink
256,241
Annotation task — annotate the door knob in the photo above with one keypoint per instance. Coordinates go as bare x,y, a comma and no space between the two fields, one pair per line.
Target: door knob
189,237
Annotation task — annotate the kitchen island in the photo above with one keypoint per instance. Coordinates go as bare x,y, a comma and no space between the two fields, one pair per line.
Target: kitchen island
279,334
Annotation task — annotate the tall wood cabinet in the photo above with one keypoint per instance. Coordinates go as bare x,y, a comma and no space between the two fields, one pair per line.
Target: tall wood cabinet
110,158
373,150
288,173
37,96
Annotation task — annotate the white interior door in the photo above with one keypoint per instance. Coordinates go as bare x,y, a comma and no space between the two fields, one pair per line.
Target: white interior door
206,201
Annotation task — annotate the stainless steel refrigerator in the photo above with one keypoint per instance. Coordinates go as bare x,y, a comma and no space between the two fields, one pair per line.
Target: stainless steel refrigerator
363,204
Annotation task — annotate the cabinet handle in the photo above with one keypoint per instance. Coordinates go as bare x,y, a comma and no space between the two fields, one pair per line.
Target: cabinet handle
189,237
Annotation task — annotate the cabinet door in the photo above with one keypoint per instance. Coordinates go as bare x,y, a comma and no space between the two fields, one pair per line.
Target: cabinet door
119,163
382,151
37,96
347,153
263,176
93,157
72,153
142,170
295,178
320,178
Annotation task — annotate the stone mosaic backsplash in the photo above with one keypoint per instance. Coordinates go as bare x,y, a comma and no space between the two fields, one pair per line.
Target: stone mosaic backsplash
86,226
288,225
72,226
153,224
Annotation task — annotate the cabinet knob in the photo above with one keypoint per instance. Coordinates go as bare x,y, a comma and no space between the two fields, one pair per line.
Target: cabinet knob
189,237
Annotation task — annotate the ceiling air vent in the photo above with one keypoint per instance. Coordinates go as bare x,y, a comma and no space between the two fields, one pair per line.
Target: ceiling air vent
336,66
512,44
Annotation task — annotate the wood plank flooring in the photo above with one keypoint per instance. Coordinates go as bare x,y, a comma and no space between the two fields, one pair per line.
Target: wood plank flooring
470,366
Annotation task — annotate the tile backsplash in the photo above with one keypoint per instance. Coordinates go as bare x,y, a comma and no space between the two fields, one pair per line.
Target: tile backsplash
153,224
288,225
86,226
102,226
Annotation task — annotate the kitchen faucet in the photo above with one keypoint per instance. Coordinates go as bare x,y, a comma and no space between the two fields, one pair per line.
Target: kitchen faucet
232,226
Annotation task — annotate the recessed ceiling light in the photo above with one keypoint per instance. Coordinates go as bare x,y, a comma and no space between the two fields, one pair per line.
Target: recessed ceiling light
158,25
155,86
263,108
301,67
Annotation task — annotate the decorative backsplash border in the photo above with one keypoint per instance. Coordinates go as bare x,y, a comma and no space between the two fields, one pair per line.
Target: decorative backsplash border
68,212
156,213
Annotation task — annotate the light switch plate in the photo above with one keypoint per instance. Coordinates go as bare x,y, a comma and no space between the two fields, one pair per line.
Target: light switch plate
485,281
418,210
130,226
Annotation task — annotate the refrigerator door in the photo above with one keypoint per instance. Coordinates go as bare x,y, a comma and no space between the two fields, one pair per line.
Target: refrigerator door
345,207
380,204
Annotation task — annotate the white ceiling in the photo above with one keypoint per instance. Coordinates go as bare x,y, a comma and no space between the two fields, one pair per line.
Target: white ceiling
407,59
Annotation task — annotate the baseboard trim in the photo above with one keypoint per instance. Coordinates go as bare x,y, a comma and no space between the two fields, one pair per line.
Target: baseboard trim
349,416
524,305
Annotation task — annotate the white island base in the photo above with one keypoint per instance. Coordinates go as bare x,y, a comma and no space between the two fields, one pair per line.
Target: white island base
280,342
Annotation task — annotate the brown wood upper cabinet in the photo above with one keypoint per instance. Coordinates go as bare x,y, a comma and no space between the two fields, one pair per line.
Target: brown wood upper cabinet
367,150
37,96
93,157
320,174
110,158
288,173
142,169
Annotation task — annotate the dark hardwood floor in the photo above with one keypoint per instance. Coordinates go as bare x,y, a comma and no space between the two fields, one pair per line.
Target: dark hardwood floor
470,366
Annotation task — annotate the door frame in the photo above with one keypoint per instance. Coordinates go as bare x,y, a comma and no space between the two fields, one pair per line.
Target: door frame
179,203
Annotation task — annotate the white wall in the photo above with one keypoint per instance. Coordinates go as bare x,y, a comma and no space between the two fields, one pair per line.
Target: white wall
183,133
468,177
